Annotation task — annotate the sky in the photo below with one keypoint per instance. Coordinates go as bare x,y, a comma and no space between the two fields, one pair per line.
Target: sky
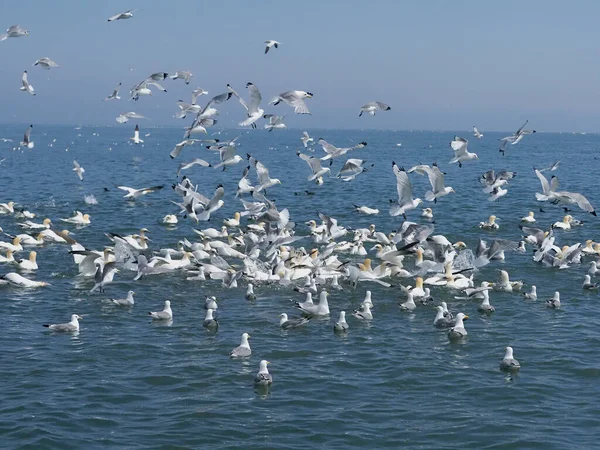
440,65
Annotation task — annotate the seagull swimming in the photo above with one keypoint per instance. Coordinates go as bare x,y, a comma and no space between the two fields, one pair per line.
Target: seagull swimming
263,377
127,301
165,314
373,107
26,86
71,326
509,363
243,350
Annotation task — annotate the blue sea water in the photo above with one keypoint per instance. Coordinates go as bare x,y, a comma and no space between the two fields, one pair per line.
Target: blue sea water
396,382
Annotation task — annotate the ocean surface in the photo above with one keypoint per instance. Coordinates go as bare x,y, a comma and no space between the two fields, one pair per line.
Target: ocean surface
396,382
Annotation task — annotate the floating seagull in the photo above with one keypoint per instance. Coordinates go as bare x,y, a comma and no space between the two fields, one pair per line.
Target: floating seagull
364,313
405,196
485,306
306,139
184,75
165,314
136,136
263,377
78,170
531,295
515,138
14,31
460,145
26,86
78,219
253,109
373,107
127,301
27,142
71,326
441,321
458,331
476,133
554,302
209,321
124,15
287,323
295,99
341,325
115,96
271,43
124,117
587,283
250,295
509,363
136,193
275,122
243,350
45,63
366,210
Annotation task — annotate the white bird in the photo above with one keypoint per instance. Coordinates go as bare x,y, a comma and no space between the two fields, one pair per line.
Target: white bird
127,301
124,15
104,275
165,314
124,117
532,294
335,152
286,323
250,295
271,43
78,219
228,157
315,309
509,363
78,170
197,93
373,107
409,304
351,169
549,193
485,306
306,139
31,264
341,325
436,179
295,99
515,138
262,174
136,136
136,193
275,122
366,210
27,142
364,313
19,280
45,63
263,377
529,218
587,283
185,75
405,197
26,86
490,224
476,133
441,321
253,109
115,94
194,162
179,147
315,166
461,154
209,321
243,350
14,31
170,219
71,326
458,331
554,302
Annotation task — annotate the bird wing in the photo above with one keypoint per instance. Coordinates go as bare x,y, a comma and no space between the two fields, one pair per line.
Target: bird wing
216,99
581,201
313,163
436,178
382,106
329,148
459,145
26,137
521,129
545,185
402,184
239,97
255,98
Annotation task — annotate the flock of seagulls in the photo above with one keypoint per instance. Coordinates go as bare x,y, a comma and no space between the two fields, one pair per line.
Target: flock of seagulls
257,245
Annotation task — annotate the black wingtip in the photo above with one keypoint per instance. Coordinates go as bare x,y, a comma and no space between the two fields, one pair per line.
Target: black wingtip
46,325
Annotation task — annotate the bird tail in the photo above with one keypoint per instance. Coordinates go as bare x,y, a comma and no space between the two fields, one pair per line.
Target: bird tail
541,197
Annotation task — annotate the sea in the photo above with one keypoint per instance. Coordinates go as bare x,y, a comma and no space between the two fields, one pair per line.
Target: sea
125,382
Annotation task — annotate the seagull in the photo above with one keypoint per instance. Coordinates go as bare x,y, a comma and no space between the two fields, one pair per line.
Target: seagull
306,139
128,301
71,326
45,63
254,112
334,152
202,119
287,323
515,138
549,193
243,350
136,193
27,142
114,95
263,377
197,161
459,145
78,170
178,147
295,99
351,169
436,179
405,196
197,93
372,107
554,302
270,43
209,321
26,86
124,117
185,75
315,166
509,363
124,15
476,133
165,314
274,122
228,157
136,136
14,31
104,275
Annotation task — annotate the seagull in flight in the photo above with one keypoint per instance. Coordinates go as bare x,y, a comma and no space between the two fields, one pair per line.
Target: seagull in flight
115,94
405,195
274,122
334,152
459,145
271,43
476,133
136,193
253,109
78,170
372,107
14,31
295,99
306,139
124,117
27,142
136,136
185,75
26,86
515,138
45,63
124,15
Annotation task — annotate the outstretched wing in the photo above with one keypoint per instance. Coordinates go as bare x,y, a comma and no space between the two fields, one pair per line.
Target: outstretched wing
403,184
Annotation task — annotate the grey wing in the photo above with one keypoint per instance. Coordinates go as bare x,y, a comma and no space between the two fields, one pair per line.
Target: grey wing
581,201
299,106
436,178
545,185
76,164
239,97
553,183
501,245
26,137
227,152
240,352
521,129
107,268
403,185
489,177
263,377
383,106
217,99
255,98
329,148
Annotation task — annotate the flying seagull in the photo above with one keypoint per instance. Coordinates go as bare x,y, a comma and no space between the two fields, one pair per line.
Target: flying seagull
372,107
78,170
14,31
124,15
26,86
295,99
45,63
136,136
115,94
271,43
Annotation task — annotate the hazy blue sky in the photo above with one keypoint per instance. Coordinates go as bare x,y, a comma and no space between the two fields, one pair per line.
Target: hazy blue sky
439,64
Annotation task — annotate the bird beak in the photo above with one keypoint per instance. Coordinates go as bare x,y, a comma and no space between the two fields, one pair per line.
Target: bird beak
465,318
